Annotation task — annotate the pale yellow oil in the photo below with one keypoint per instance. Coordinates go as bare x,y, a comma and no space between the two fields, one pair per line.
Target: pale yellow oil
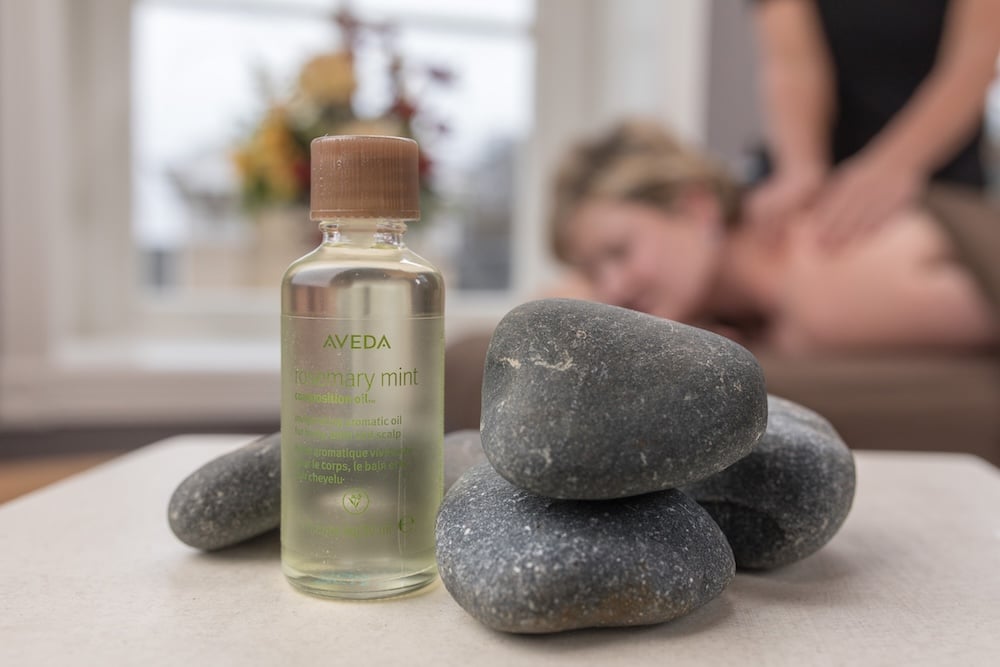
362,414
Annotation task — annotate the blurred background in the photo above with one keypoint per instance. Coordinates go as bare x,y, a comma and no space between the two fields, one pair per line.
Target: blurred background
141,248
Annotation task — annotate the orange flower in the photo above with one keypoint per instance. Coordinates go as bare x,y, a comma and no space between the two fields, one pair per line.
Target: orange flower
270,157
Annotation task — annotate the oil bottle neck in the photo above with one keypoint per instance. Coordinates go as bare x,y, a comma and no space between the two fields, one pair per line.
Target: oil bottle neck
365,232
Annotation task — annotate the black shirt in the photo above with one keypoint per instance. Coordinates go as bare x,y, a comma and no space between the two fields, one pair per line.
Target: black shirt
882,50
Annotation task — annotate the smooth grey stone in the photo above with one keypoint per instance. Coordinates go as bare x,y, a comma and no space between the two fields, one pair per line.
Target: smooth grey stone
524,563
238,495
231,498
589,401
462,450
789,496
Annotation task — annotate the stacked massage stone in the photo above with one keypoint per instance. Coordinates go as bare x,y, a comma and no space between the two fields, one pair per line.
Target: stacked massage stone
633,463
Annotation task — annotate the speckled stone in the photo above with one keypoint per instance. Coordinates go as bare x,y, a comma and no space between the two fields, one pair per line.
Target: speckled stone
231,498
789,496
588,401
519,562
238,496
462,450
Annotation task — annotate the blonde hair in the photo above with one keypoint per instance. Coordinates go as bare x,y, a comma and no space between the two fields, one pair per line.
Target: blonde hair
637,161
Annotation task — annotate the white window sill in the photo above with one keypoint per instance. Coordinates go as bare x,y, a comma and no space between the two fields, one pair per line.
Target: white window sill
145,379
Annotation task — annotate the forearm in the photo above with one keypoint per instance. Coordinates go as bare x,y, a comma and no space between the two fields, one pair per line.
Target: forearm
797,83
948,106
798,118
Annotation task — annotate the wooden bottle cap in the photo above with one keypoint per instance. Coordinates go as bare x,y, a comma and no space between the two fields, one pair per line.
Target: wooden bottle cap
355,176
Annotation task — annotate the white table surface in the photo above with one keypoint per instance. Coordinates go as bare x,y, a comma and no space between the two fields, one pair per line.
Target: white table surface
90,574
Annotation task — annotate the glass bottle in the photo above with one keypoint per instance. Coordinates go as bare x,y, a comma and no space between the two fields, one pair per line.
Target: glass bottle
362,381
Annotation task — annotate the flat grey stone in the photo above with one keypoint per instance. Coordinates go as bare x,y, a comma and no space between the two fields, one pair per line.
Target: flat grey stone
230,499
462,450
524,563
238,496
789,496
588,401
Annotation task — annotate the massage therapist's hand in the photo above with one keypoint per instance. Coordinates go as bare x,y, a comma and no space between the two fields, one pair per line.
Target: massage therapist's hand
860,196
781,198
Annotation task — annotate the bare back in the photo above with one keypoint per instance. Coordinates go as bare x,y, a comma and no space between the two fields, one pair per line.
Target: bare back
901,286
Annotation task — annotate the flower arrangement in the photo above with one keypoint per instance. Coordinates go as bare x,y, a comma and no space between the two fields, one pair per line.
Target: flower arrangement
273,162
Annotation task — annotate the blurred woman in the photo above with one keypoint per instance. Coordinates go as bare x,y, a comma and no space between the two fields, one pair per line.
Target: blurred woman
655,226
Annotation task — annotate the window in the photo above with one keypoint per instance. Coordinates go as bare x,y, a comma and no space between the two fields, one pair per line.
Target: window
90,171
194,102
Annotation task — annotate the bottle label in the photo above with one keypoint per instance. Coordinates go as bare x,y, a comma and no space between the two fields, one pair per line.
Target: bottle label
361,428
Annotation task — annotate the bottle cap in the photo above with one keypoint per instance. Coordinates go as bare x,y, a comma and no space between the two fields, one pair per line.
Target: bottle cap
356,176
